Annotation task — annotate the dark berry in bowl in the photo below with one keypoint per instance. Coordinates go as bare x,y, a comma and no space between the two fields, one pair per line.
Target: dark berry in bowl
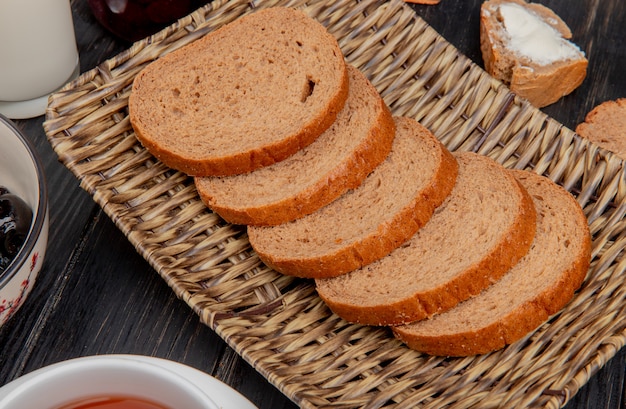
15,219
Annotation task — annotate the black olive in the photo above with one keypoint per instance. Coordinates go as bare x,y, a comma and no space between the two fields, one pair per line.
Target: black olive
15,220
4,262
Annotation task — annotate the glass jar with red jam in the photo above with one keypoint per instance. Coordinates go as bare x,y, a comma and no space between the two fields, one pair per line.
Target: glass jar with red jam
132,20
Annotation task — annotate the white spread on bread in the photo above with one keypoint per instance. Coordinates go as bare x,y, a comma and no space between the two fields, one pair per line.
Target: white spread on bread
530,36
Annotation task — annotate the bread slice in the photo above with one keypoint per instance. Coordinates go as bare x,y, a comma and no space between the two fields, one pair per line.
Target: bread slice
535,288
526,45
366,223
482,229
242,97
340,159
605,125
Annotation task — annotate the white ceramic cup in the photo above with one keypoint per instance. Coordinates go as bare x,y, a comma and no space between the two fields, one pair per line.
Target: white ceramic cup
89,377
38,54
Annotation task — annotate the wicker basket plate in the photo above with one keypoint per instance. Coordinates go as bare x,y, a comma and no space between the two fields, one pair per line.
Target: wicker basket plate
278,323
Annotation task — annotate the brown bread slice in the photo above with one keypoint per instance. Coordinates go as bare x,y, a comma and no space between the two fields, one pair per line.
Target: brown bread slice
533,56
535,288
366,223
605,125
242,97
482,229
340,159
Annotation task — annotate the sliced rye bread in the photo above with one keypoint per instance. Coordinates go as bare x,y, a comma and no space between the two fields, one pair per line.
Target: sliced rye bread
605,125
366,223
340,159
526,46
242,97
538,286
482,229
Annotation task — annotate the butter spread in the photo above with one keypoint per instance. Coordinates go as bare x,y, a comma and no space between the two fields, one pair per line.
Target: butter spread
530,36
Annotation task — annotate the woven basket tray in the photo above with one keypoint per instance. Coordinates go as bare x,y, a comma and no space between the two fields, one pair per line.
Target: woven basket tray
277,323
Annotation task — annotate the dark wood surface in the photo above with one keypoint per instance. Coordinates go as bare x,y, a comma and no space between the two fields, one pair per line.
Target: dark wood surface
96,295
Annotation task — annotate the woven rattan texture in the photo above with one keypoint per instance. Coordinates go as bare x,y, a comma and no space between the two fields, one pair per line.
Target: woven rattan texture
278,323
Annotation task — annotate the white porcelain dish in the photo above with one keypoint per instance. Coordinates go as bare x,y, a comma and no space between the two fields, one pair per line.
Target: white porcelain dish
167,382
22,173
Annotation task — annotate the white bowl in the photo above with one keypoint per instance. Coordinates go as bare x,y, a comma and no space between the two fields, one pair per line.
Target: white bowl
106,375
22,173
30,385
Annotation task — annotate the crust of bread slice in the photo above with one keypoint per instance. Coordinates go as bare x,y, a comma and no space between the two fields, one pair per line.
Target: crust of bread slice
541,84
482,229
542,283
605,125
366,223
245,96
339,160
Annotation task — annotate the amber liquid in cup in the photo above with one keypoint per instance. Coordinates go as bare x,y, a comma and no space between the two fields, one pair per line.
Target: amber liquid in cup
113,402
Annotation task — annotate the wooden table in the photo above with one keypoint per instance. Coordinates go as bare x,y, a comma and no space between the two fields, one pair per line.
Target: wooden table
96,295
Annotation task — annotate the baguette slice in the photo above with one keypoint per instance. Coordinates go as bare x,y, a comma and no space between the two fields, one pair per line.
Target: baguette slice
242,97
535,288
482,229
366,223
526,46
340,159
